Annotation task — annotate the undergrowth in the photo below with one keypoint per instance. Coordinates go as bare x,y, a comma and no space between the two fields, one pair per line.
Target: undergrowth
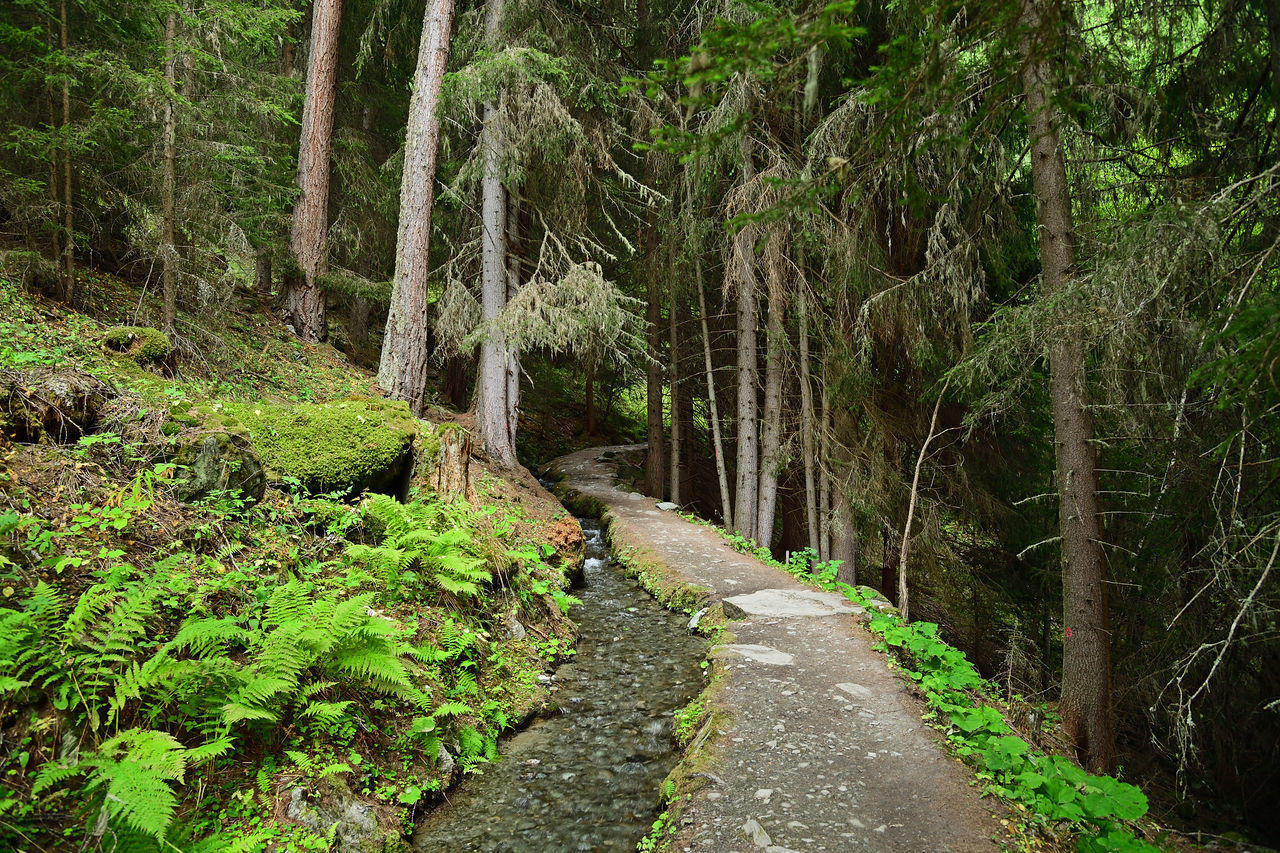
1057,797
172,674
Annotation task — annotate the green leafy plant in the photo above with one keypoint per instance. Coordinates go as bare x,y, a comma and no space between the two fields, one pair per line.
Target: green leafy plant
1052,787
423,541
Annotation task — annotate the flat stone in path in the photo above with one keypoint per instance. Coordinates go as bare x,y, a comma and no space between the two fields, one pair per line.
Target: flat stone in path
824,749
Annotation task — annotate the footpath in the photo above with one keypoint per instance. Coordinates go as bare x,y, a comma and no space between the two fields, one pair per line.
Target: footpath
820,747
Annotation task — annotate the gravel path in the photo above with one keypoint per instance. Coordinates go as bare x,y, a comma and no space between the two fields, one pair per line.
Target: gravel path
824,749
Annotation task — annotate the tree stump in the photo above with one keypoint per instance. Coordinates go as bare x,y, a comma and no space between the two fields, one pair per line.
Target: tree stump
452,475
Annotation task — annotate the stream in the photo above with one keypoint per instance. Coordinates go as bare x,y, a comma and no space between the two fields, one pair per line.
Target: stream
587,778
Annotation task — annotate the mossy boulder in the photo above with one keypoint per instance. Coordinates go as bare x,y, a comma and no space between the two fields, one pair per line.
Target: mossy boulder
218,459
50,405
143,344
345,446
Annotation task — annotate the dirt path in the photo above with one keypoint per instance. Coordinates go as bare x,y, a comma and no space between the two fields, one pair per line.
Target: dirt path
824,749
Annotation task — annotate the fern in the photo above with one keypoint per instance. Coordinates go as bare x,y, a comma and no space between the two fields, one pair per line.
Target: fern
422,535
452,709
130,775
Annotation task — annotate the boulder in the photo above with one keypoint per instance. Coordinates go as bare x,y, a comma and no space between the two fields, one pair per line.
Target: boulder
51,405
218,460
146,346
335,808
348,446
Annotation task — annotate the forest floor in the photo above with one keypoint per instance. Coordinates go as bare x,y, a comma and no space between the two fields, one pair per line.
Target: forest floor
817,745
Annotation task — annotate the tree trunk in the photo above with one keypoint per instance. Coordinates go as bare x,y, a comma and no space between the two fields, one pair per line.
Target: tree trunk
674,385
304,297
169,248
726,508
491,402
806,426
68,215
771,425
746,499
514,252
262,273
824,482
55,200
1086,667
452,476
654,467
591,396
844,544
455,380
406,352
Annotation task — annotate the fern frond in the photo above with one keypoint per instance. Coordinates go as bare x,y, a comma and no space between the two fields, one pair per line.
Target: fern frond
327,712
452,709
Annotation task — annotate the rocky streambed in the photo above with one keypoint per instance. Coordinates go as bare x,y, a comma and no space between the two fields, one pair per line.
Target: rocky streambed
588,777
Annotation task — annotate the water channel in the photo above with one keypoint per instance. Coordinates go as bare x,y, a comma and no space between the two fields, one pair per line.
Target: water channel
588,778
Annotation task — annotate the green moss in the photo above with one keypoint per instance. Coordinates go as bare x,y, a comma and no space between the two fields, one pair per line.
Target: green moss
144,344
351,445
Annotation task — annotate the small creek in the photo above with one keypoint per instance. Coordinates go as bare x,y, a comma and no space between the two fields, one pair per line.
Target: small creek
588,778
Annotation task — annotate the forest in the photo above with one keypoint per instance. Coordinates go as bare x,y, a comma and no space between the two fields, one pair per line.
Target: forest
975,305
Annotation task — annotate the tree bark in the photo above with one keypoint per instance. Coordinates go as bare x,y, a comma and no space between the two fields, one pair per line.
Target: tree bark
455,380
590,383
844,544
1086,667
771,424
68,214
807,445
673,380
169,247
452,476
746,500
406,352
654,467
304,297
262,273
55,200
514,251
824,482
492,412
722,472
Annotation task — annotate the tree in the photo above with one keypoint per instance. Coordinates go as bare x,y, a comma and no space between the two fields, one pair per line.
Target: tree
747,494
1086,663
405,349
493,407
304,294
169,246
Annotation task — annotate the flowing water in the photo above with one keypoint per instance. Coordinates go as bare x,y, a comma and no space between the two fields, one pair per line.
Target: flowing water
588,778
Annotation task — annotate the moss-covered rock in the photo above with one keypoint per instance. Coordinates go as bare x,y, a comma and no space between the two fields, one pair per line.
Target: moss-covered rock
143,344
218,459
51,405
349,446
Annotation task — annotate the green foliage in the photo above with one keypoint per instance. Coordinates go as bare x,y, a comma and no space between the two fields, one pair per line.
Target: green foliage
129,777
688,718
1052,787
424,544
